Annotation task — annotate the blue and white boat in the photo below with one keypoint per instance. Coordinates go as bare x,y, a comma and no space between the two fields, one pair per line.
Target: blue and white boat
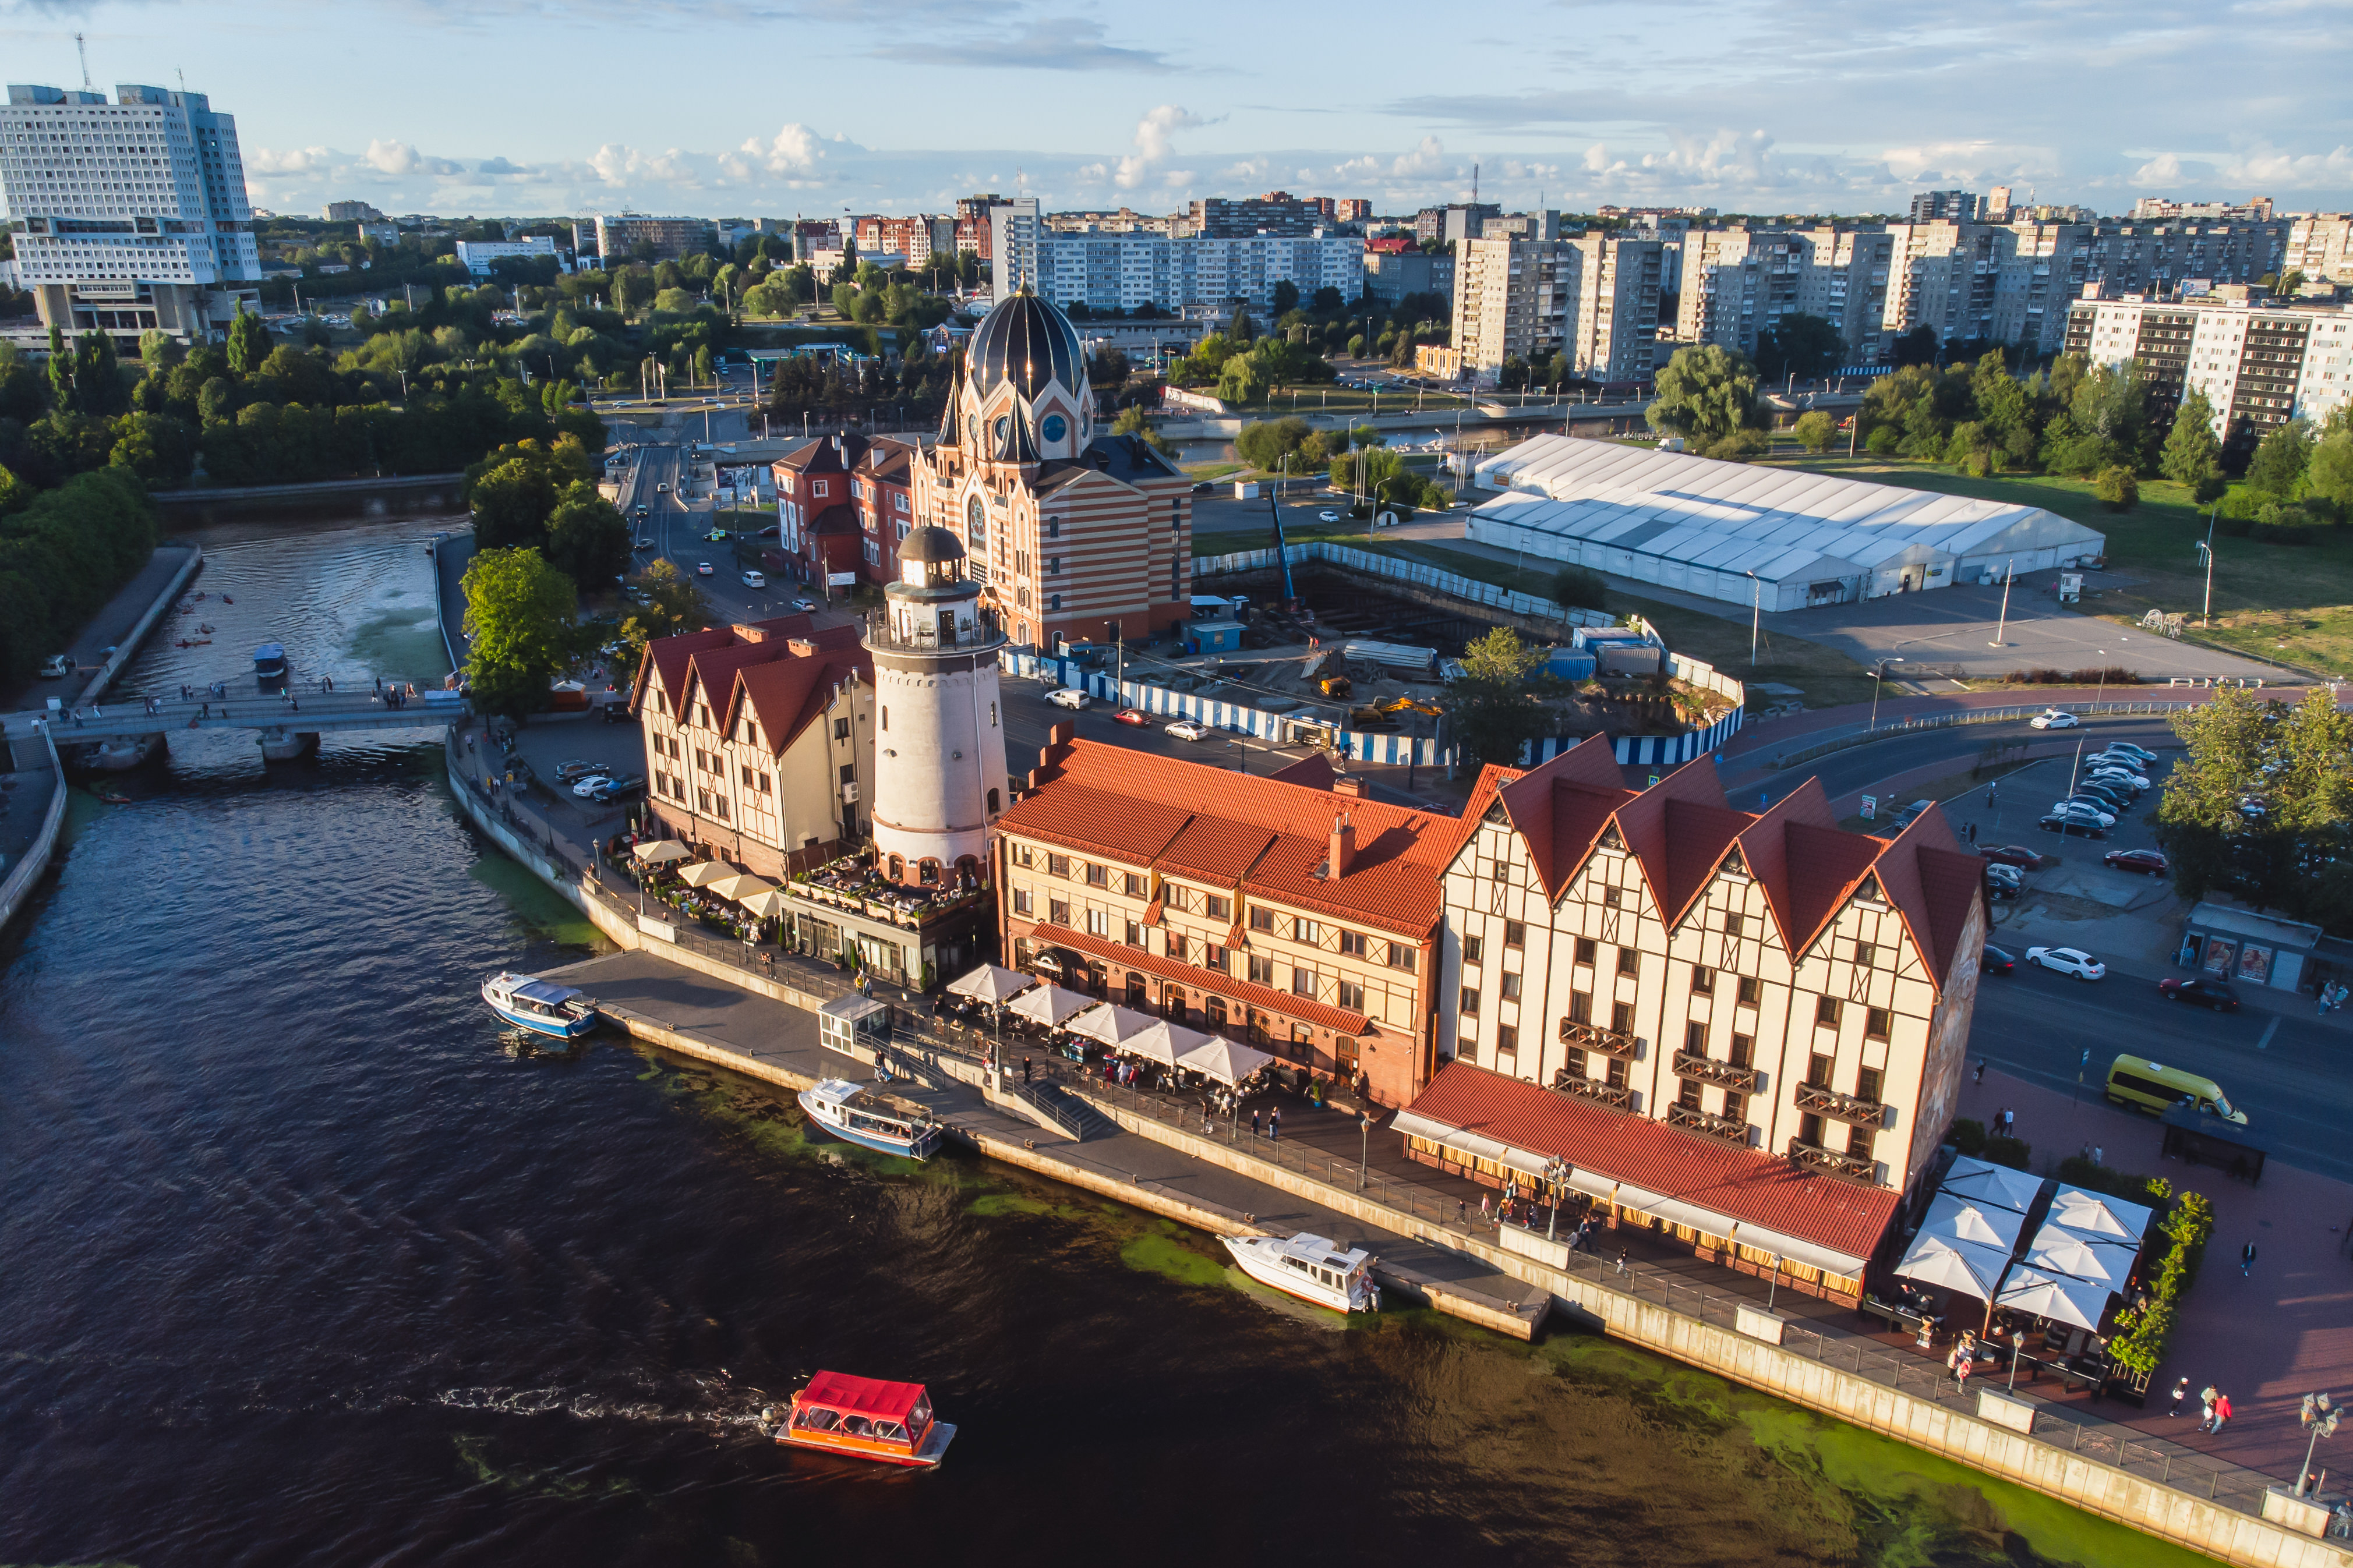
270,665
862,1117
537,1006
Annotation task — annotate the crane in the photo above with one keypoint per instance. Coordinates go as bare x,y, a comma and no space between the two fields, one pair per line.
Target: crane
83,50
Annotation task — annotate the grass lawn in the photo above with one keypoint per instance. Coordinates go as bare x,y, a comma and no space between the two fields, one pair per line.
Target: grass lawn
1312,401
2286,602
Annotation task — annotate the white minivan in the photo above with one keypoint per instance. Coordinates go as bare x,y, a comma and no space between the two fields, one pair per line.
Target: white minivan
1067,697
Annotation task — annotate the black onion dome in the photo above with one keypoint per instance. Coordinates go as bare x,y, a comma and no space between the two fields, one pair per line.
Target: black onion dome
931,545
1026,341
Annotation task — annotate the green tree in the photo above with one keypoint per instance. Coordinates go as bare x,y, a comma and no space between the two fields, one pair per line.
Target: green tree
519,616
1579,588
160,449
1816,430
1493,708
1807,347
2276,471
2329,473
1286,296
1132,422
249,341
61,371
587,539
1241,380
633,291
673,603
2118,487
2192,451
1243,328
1706,391
1265,443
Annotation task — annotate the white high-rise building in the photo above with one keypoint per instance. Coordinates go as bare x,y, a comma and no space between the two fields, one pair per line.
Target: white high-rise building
1594,300
1013,232
127,215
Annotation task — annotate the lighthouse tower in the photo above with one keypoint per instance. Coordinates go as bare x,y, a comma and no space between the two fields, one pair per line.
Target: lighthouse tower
939,749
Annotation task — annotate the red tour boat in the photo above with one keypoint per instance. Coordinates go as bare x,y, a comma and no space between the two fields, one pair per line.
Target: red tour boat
867,1419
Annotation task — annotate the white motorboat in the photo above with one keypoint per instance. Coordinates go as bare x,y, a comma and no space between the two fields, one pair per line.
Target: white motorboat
871,1120
537,1006
1310,1267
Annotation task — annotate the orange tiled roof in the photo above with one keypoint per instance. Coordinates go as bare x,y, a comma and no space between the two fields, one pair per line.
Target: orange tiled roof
1265,998
1205,822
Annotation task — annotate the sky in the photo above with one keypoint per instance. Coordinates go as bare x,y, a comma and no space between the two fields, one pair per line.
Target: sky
753,107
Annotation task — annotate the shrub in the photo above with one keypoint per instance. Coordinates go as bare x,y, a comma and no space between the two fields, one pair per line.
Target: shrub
2286,523
1969,1136
2142,1332
2015,1153
2117,486
1816,430
2211,489
1579,588
1884,440
1739,446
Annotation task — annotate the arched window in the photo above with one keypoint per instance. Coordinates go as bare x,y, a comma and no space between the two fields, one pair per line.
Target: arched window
967,870
930,872
975,527
1136,990
992,803
898,868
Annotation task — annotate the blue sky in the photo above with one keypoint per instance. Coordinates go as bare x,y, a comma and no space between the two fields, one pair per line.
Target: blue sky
727,108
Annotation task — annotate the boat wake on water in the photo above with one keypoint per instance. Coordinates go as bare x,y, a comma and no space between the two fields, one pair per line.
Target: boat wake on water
732,1406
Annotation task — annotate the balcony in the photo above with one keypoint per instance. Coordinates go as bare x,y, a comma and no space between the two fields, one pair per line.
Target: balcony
1567,1082
1715,1126
1852,1108
1709,1070
1814,1157
1594,1037
978,636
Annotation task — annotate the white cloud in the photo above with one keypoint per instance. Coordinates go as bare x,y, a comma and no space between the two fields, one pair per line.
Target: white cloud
2271,168
617,165
399,160
1426,160
1155,141
300,161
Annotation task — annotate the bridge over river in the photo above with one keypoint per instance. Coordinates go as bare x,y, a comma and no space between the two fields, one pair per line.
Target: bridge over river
304,713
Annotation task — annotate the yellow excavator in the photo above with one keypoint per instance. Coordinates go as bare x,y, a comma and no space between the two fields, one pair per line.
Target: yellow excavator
1383,715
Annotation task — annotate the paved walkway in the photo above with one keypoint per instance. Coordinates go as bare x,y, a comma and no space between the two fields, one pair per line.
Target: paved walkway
104,630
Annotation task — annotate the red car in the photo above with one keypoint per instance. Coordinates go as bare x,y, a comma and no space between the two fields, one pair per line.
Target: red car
2147,861
2017,855
1135,716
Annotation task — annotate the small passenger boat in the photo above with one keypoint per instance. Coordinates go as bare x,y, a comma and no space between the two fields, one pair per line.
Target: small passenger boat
537,1006
270,665
867,1419
865,1118
1311,1268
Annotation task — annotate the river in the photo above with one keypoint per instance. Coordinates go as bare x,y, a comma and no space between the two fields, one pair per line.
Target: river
299,1265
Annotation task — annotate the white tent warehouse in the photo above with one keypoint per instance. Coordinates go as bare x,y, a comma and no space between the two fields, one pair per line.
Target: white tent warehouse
1705,526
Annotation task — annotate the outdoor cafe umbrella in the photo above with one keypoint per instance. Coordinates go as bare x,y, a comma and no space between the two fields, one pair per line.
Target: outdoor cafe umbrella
1980,1181
736,890
1225,1062
991,983
702,873
1957,1219
2097,1214
768,905
2053,1296
1962,1266
1049,1005
662,851
1163,1042
2058,1250
1111,1025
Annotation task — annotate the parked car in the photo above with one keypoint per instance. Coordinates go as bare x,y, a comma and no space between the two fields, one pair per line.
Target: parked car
2053,718
1187,730
661,490
2017,855
1996,961
2072,822
2113,798
2004,875
565,772
755,579
1067,697
1327,517
587,786
806,604
2101,817
619,788
56,667
2143,752
2147,861
1910,815
702,569
2071,961
2118,762
2204,992
1135,716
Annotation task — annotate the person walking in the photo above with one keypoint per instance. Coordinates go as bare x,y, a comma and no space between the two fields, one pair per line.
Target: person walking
1025,1069
1621,1260
2180,1393
2221,1411
2247,1260
1254,1123
1980,1074
2206,1397
1274,1125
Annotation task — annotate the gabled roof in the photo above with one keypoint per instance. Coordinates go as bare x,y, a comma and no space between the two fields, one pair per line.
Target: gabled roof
1642,823
1559,809
1686,1169
710,659
665,659
788,691
825,455
1205,823
1932,882
887,462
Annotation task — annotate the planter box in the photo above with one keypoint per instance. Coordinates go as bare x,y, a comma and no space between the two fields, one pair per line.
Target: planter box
2003,1411
1757,1323
1532,1244
2304,1515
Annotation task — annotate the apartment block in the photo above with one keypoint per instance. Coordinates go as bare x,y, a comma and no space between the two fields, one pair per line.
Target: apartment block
1104,271
1737,283
2260,363
2320,246
1014,230
128,216
619,235
1594,300
1390,276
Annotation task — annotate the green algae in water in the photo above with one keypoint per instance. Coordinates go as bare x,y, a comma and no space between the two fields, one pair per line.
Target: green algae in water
535,903
474,1454
1156,1252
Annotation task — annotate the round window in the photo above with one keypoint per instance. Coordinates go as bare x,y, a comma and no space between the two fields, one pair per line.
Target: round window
1054,428
972,426
1004,423
975,525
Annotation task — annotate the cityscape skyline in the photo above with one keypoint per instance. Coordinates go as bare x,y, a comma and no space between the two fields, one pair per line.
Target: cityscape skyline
1742,106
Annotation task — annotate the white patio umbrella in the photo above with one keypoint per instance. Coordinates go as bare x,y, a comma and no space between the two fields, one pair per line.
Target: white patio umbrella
737,888
768,906
1962,1266
662,851
2097,1214
1110,1024
1225,1062
991,983
1983,1181
2058,1250
1049,1004
702,873
1164,1042
2053,1296
1957,1219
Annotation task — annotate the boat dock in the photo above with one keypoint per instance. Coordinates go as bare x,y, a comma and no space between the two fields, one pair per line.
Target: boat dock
689,1015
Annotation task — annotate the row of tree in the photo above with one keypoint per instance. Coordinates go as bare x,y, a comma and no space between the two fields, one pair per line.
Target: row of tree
63,553
2262,806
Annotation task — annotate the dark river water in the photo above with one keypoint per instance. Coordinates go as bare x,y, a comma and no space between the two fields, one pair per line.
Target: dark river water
299,1265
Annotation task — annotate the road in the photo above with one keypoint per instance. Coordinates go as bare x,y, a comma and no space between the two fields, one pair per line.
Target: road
2290,1073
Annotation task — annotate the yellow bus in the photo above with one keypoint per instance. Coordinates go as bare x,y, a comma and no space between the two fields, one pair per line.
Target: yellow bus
2151,1086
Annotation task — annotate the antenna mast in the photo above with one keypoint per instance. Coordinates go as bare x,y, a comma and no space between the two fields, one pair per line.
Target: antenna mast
83,50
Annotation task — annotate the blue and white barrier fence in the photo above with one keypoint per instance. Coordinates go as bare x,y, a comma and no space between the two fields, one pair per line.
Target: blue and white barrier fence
1452,583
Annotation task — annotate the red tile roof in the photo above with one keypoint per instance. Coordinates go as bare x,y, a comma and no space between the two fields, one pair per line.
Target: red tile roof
1561,807
1207,821
757,663
1265,998
1744,1184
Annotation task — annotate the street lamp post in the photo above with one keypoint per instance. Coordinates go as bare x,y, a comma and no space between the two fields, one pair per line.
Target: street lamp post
1755,616
1879,671
2320,1417
1364,1146
2008,576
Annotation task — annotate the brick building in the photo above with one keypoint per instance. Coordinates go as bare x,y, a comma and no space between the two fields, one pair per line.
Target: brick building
819,527
882,489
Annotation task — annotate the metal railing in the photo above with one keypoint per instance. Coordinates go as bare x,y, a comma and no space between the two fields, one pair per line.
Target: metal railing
1974,716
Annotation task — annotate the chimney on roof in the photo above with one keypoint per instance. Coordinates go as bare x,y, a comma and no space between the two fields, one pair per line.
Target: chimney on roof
1344,847
801,648
746,632
1060,735
1347,783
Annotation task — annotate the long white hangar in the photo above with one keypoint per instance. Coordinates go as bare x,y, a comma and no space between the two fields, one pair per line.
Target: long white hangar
1734,531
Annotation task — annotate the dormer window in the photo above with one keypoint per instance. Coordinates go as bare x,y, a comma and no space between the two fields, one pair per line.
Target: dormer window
1609,838
1869,892
1733,866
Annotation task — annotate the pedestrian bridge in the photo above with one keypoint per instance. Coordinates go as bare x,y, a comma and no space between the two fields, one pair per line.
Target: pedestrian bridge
311,712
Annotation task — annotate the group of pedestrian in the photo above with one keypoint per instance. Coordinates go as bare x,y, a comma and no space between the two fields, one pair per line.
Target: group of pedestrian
1274,1123
1963,1359
2332,996
2094,1153
2005,1124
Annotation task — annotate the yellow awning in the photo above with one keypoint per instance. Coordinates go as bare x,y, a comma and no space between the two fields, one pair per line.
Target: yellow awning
662,851
703,873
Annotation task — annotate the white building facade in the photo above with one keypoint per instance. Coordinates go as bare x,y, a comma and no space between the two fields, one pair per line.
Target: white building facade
1594,300
1121,271
130,216
478,254
2260,363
